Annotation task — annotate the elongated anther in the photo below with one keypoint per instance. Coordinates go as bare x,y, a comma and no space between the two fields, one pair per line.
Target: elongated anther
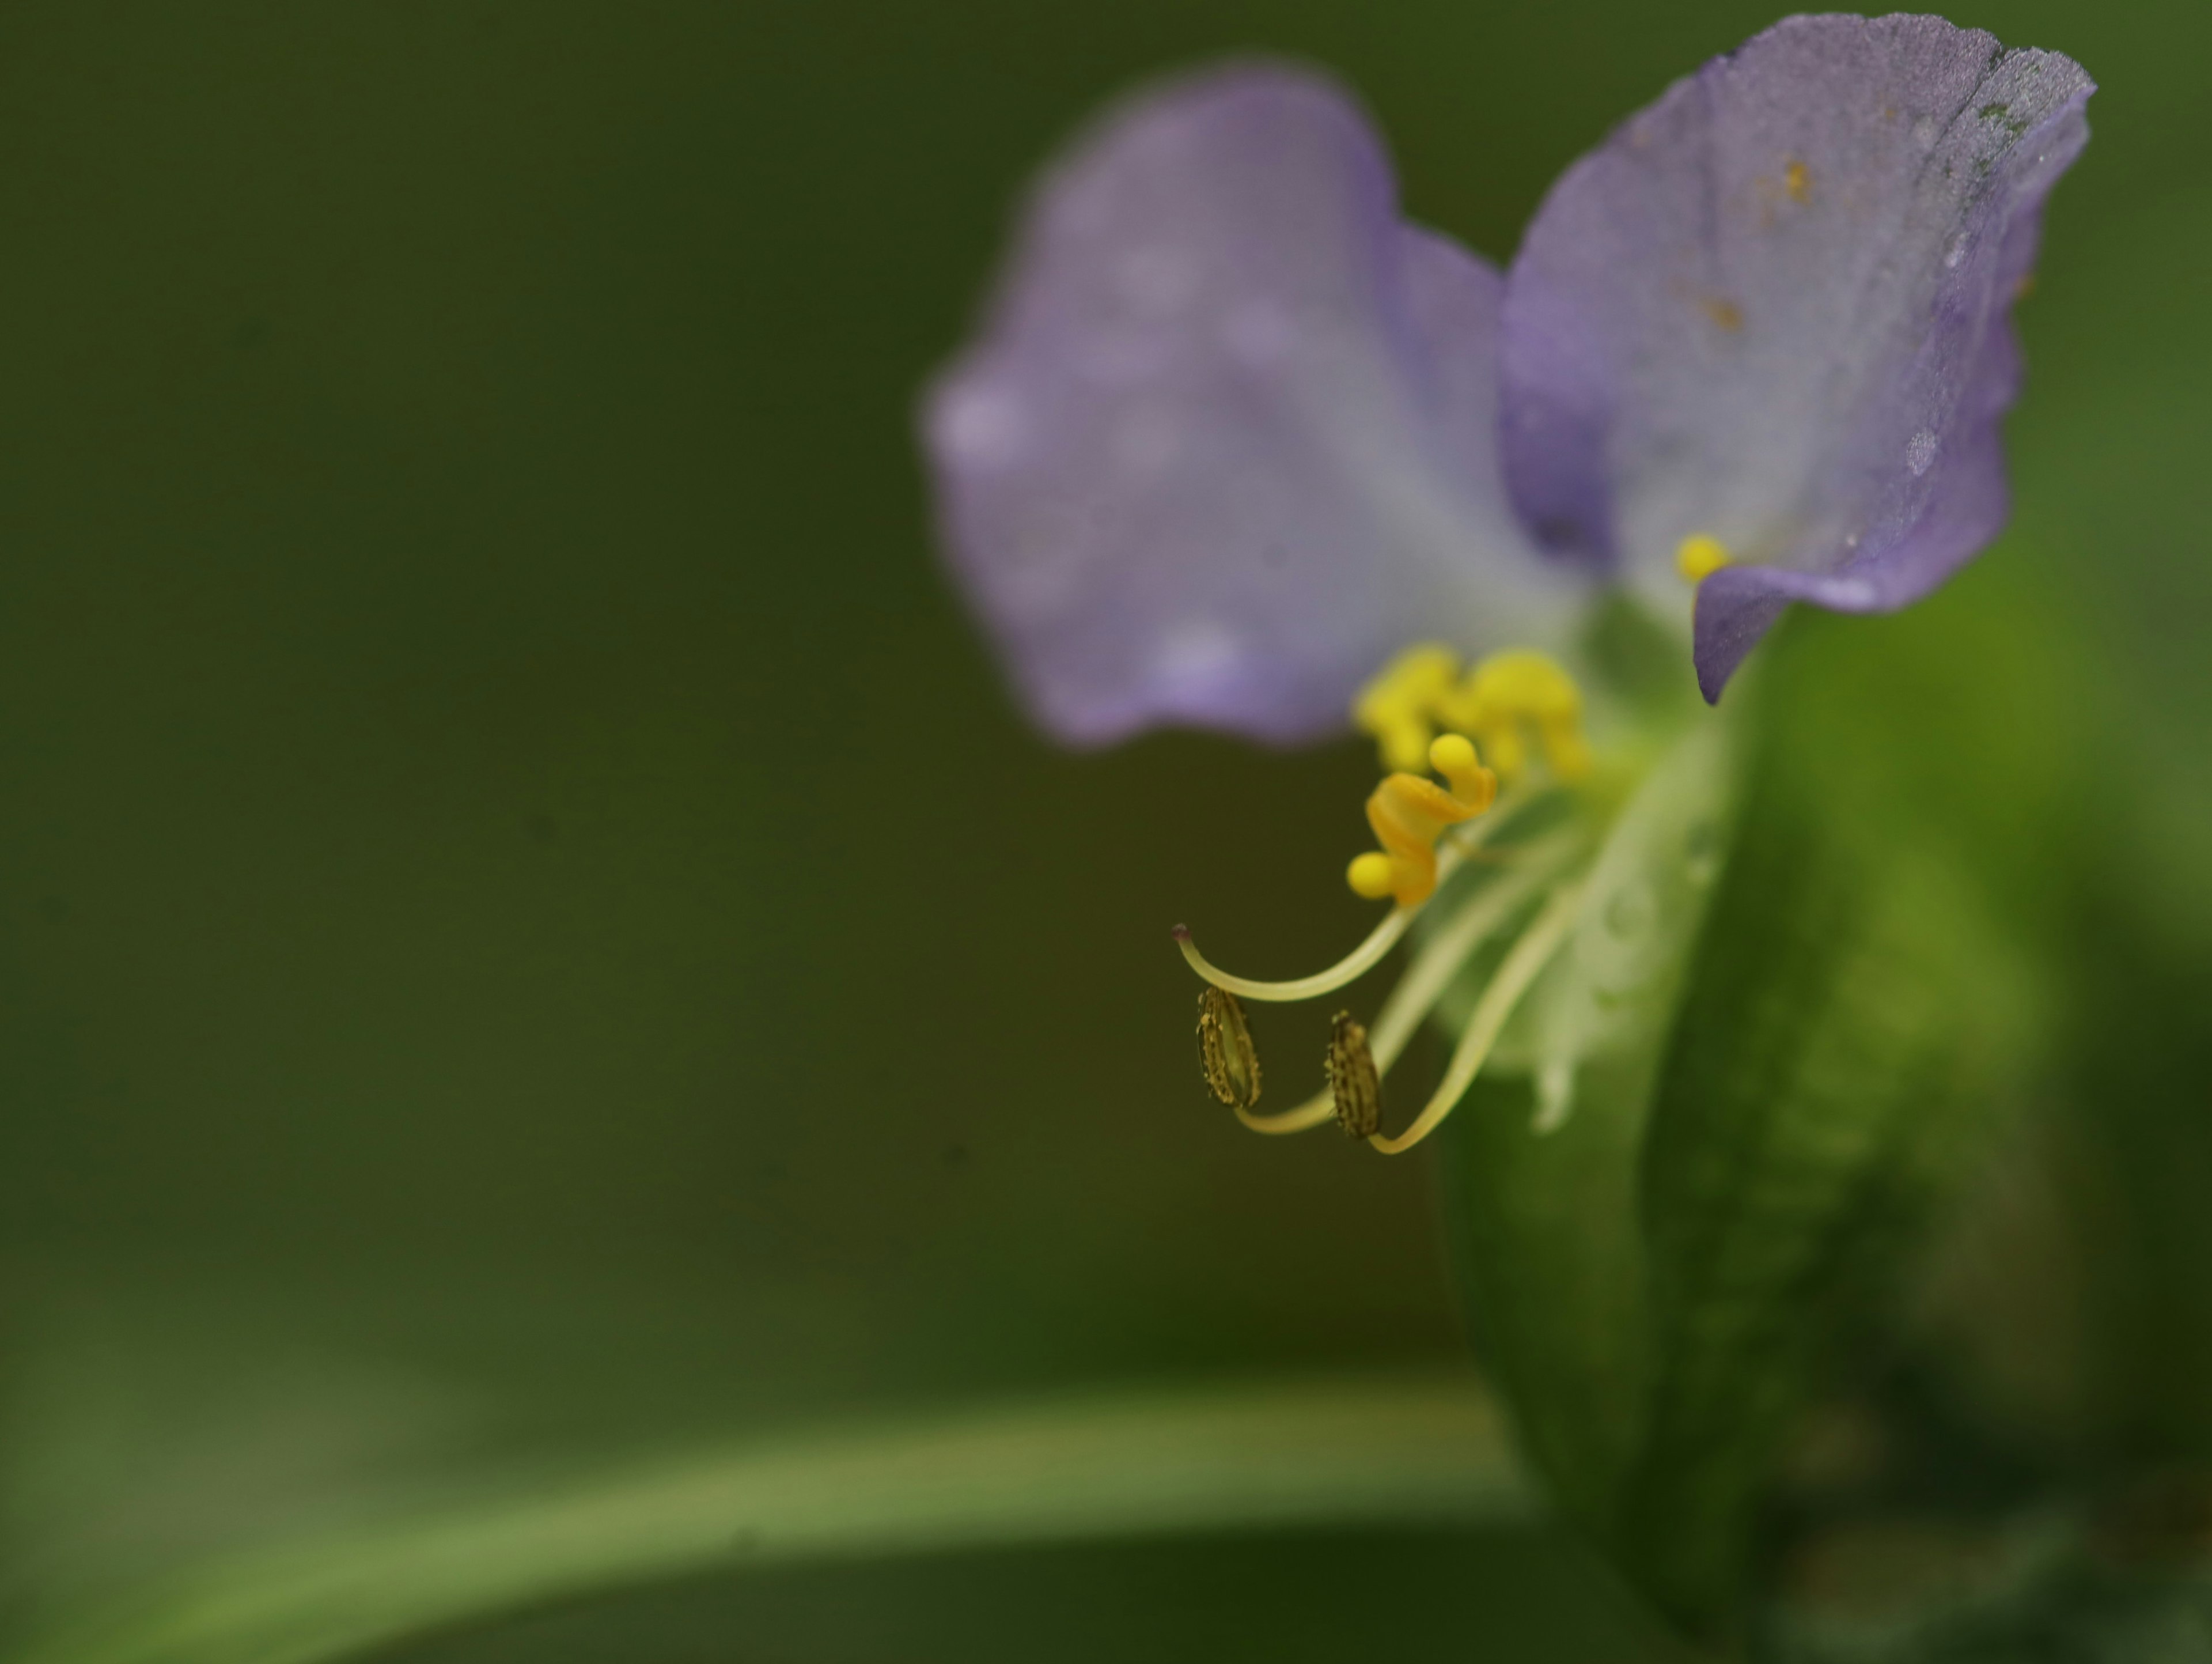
1355,1086
1225,1052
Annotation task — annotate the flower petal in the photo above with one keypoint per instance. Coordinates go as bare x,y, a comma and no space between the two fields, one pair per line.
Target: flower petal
1228,440
1773,308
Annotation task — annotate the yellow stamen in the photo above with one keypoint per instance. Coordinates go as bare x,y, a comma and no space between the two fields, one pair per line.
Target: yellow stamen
1797,180
1511,696
1500,702
1409,814
1696,557
1399,706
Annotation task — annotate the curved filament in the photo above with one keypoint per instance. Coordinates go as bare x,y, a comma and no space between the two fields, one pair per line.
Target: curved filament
1315,1111
1430,973
1451,850
1522,964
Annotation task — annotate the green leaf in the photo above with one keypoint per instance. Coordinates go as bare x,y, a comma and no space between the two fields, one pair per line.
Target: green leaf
1756,1138
1410,1451
1548,1168
1850,1027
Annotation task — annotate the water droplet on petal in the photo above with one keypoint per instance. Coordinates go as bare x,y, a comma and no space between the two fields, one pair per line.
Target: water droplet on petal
982,428
1155,283
1196,658
1555,1095
1145,441
1956,253
1701,854
1259,334
1630,913
1920,452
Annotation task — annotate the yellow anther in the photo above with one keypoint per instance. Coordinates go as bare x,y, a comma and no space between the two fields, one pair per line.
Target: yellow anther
1453,756
1399,706
1508,697
1797,180
1696,557
1225,1054
1371,876
1409,813
1503,703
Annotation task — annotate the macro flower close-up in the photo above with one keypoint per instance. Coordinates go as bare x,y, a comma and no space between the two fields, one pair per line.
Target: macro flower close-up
753,752
1240,447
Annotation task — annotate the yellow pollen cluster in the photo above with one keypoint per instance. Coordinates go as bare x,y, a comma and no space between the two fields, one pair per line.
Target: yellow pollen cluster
1699,557
1511,697
1501,703
1401,707
1508,705
1410,812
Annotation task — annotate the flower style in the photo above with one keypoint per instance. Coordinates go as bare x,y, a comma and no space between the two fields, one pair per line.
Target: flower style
1240,447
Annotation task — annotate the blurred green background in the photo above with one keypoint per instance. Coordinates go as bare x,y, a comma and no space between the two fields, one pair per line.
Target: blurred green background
529,927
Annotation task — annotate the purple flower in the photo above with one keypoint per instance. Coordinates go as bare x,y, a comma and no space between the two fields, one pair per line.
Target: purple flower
1236,433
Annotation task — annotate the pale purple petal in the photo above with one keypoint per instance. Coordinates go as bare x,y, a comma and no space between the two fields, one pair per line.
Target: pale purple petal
1228,440
1774,308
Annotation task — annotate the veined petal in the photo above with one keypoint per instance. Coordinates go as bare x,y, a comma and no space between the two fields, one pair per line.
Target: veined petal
1773,309
1228,439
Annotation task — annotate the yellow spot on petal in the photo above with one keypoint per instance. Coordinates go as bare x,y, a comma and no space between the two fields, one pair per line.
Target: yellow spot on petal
1699,557
1726,314
1797,179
